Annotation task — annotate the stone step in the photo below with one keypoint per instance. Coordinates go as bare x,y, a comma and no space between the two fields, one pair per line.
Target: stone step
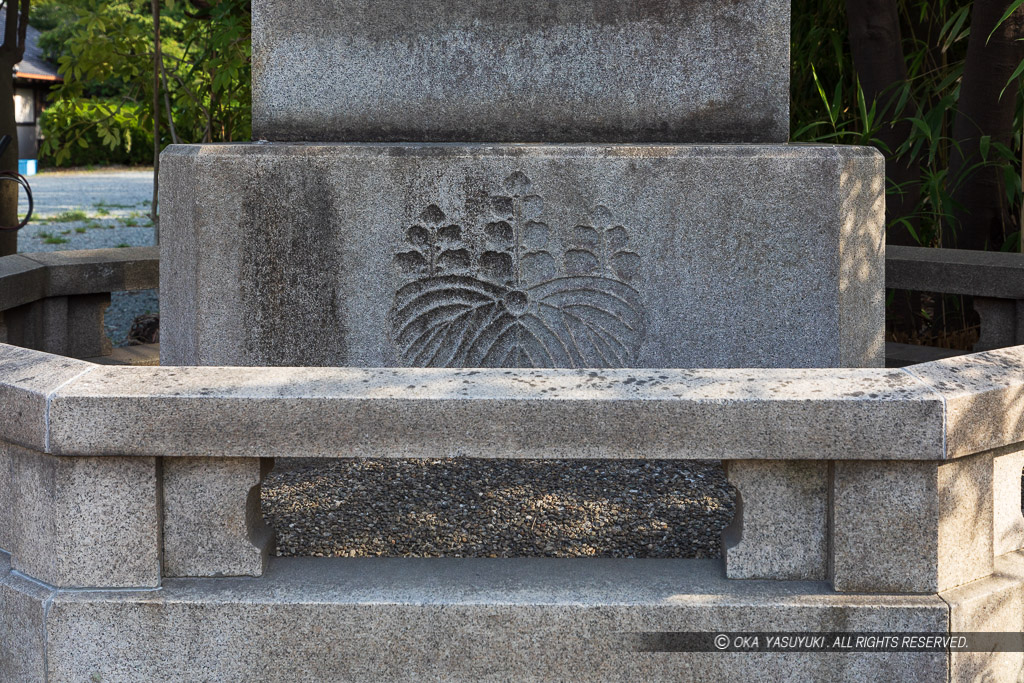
408,619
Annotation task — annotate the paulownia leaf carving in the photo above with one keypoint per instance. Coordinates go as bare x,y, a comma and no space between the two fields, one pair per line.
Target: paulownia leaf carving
494,297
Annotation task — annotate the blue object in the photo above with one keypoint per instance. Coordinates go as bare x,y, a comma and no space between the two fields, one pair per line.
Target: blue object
27,166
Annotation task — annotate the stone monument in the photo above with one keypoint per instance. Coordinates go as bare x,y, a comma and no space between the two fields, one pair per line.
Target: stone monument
485,184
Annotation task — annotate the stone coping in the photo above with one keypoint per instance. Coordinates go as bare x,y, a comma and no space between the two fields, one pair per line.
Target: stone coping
25,278
930,411
955,271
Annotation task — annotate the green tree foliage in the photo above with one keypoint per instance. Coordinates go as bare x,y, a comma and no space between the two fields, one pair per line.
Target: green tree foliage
105,52
940,179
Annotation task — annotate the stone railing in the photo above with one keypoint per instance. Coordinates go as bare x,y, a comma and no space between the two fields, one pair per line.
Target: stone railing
994,279
899,482
55,301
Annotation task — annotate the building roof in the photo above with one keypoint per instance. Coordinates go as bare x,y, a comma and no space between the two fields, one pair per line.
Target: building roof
32,66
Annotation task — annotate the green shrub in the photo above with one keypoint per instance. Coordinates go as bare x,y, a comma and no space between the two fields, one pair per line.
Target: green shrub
83,132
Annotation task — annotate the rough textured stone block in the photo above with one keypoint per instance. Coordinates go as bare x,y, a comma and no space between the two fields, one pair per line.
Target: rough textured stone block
1008,521
525,71
802,414
522,255
780,530
994,604
313,619
22,631
27,378
984,395
85,521
911,526
212,520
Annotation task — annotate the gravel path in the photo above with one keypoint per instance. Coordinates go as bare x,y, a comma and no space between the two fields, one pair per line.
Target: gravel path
95,210
498,508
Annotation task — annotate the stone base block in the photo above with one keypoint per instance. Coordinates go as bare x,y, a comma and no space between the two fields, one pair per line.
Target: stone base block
82,521
637,256
529,619
994,604
64,325
911,526
212,520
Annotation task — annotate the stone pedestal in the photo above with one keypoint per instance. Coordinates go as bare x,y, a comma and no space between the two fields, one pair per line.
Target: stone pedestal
640,256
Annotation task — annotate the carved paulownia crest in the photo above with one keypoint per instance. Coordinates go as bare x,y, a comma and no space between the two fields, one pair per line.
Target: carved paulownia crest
497,295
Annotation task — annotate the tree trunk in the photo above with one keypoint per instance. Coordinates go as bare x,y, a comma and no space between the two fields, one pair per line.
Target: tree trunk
981,219
877,48
11,51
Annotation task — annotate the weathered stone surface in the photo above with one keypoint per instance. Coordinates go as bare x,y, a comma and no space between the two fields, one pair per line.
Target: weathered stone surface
780,530
527,71
521,255
212,520
984,394
913,527
85,521
22,633
526,619
27,378
994,604
22,281
1008,521
809,414
98,271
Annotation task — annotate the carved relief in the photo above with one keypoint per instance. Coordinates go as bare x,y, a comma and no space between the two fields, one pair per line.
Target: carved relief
500,293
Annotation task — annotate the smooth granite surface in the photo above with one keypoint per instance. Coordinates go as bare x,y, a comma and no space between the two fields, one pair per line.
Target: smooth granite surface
211,516
27,378
917,527
89,522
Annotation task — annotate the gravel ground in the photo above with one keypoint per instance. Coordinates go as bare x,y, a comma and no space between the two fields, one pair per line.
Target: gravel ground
498,508
95,210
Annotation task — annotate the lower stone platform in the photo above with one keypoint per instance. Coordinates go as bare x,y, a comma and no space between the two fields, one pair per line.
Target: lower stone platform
454,619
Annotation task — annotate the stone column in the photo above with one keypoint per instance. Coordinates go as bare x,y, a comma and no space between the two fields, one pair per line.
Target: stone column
63,325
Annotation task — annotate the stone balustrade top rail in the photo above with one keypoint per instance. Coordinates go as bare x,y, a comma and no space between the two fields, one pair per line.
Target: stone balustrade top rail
25,278
931,411
955,271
